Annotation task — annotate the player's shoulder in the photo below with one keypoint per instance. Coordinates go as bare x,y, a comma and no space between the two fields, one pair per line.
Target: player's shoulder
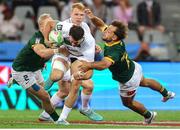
63,23
63,26
37,35
37,38
84,25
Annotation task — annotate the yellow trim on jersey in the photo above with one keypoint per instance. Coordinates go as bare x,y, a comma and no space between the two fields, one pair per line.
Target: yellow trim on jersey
32,46
113,43
109,59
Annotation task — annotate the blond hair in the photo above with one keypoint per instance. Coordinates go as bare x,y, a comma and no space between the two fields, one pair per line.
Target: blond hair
43,17
78,5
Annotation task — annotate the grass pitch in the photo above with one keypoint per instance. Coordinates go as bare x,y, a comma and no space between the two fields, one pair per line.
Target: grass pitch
112,119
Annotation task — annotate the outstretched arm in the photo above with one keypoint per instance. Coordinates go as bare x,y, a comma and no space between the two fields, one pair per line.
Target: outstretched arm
95,20
47,53
100,65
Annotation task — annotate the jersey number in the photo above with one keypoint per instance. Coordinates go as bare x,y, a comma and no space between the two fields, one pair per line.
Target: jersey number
125,57
26,78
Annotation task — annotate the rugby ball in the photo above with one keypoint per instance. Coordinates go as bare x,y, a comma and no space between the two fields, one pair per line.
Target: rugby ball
56,37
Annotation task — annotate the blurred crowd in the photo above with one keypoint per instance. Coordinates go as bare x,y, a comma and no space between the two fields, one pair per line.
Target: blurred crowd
140,17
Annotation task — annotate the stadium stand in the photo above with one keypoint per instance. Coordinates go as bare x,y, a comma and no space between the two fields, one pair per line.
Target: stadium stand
22,11
48,9
28,31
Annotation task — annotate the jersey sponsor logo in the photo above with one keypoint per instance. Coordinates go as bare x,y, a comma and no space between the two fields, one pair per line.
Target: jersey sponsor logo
4,74
59,27
129,93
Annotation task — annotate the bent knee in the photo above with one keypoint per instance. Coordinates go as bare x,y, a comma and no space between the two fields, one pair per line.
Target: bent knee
145,82
62,94
56,75
127,104
87,83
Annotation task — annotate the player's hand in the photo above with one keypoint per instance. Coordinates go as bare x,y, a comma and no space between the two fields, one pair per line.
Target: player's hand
50,44
85,66
89,13
63,51
97,49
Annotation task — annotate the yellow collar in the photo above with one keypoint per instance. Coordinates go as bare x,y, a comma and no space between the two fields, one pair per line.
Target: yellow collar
113,43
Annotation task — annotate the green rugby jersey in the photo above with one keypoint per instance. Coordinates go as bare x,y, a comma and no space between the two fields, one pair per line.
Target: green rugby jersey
27,59
122,68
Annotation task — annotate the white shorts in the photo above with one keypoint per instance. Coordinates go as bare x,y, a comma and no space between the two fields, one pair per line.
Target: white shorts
27,78
60,56
84,58
88,55
67,74
129,88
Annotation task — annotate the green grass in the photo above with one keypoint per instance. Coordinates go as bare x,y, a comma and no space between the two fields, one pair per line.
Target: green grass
28,119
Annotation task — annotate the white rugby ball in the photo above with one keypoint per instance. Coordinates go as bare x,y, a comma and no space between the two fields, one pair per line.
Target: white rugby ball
56,37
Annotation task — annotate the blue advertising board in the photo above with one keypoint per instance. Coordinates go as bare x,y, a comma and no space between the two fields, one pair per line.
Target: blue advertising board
105,95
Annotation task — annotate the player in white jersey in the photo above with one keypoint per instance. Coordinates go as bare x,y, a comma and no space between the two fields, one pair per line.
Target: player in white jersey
85,51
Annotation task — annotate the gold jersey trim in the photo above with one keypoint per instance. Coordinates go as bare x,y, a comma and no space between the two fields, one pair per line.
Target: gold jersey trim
108,58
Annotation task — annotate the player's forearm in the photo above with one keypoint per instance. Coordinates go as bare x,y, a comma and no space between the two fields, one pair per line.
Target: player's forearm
48,53
100,65
97,22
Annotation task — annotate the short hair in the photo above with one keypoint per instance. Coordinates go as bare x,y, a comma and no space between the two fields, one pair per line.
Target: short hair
42,17
78,5
121,29
77,32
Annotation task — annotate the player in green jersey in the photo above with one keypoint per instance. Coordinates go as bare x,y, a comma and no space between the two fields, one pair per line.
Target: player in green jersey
29,62
124,70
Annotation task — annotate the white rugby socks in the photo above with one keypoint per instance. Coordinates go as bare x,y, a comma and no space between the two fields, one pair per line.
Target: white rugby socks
65,112
55,100
85,101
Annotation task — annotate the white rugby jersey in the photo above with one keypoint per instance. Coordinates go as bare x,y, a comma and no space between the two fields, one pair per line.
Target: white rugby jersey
86,50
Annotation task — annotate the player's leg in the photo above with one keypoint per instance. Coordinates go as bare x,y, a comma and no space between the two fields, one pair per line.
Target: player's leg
59,96
155,85
28,80
138,107
73,94
86,94
128,91
60,66
44,97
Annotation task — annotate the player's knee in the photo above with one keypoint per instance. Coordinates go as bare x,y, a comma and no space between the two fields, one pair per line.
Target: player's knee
89,89
56,75
62,94
145,82
127,104
87,86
